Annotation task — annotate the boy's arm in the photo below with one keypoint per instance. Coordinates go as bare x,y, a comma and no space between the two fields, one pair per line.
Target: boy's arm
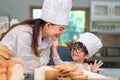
54,49
55,54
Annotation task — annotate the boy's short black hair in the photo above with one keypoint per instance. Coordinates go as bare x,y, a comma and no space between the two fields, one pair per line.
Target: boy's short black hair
79,45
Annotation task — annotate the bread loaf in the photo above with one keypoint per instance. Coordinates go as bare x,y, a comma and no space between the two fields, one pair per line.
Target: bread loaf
15,70
3,70
11,70
3,75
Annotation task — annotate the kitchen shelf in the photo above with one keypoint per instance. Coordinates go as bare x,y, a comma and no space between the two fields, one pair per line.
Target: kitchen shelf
105,17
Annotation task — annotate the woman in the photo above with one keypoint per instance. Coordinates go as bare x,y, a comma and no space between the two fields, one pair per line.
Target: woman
83,49
33,37
30,33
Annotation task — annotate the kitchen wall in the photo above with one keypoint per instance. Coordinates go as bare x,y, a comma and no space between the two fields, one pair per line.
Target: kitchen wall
108,40
20,8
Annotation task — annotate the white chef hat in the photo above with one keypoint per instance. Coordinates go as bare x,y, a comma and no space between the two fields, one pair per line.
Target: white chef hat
56,11
91,41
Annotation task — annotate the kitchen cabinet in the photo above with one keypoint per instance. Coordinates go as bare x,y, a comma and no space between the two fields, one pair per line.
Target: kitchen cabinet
105,10
105,27
105,17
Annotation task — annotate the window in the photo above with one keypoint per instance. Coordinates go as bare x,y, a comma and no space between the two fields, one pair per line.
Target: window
35,12
78,23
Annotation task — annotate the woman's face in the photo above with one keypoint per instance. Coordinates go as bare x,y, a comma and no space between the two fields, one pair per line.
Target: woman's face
54,31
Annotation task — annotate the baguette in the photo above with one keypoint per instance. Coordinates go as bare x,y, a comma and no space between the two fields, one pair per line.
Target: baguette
5,53
2,58
68,70
82,77
63,68
50,73
6,50
71,74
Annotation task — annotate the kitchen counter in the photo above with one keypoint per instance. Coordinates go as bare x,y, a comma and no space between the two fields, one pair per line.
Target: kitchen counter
112,72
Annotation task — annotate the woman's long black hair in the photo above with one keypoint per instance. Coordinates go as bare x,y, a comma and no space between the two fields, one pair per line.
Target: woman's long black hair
35,24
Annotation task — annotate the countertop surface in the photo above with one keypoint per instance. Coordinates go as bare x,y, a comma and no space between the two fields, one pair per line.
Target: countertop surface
112,72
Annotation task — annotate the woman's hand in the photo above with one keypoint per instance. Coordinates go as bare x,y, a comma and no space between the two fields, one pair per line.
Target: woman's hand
96,66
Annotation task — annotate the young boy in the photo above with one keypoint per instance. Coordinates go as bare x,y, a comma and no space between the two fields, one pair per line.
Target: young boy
83,49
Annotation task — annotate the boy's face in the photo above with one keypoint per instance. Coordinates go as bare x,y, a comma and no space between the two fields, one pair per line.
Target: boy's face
78,55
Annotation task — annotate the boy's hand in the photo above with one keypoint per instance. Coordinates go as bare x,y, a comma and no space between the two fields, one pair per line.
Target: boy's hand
55,43
96,66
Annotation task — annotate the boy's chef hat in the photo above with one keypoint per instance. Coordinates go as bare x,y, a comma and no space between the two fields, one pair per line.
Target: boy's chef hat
91,41
56,11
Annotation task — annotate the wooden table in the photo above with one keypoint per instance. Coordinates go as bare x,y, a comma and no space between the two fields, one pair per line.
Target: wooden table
109,78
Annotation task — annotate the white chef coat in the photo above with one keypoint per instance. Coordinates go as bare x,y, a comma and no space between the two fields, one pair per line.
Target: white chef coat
80,67
18,40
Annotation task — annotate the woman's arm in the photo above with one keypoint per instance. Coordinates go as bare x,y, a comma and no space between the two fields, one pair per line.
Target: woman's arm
23,44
